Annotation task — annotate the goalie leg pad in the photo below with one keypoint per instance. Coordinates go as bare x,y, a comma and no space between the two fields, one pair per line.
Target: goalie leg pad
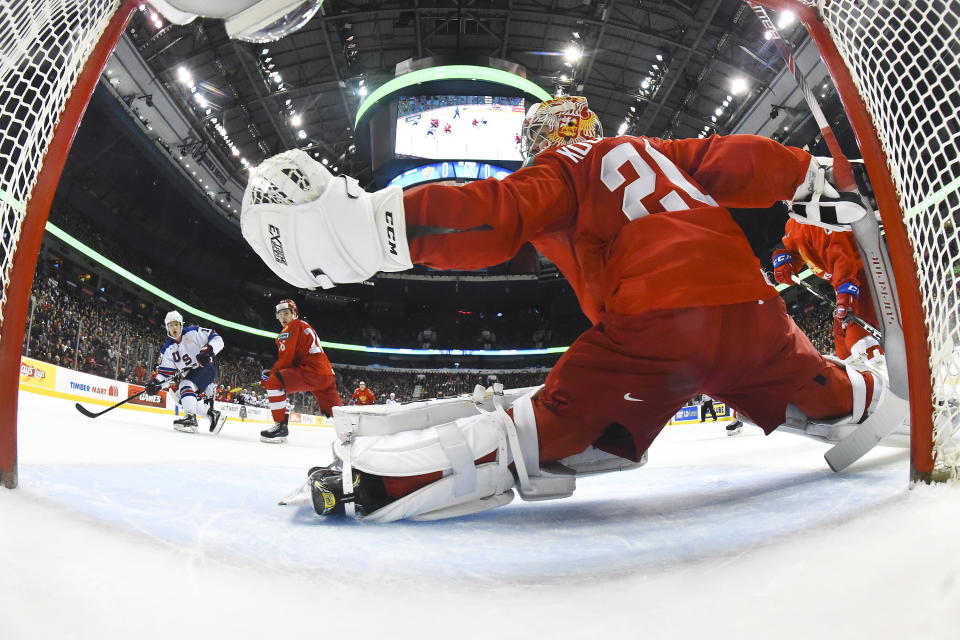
866,398
452,449
383,420
540,483
439,499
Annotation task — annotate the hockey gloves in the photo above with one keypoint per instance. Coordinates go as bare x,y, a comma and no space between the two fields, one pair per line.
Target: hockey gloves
153,387
848,295
818,202
783,263
316,229
205,356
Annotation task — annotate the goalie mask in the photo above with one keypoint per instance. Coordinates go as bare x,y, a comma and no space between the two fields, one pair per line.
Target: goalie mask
559,121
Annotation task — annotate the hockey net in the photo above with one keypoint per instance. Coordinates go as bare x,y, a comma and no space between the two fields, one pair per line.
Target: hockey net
903,69
51,54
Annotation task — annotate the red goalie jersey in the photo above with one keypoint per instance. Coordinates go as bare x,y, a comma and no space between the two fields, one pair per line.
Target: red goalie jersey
652,230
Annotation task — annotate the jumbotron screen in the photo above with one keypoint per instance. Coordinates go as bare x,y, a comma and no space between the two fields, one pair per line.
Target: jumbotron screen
459,127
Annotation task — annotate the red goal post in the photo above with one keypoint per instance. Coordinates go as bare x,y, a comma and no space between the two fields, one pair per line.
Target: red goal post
52,53
896,67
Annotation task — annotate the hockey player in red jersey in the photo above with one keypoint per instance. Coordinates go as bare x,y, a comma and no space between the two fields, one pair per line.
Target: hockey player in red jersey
833,256
363,395
640,228
301,366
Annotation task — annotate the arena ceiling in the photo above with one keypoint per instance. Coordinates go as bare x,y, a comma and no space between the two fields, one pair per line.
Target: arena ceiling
656,68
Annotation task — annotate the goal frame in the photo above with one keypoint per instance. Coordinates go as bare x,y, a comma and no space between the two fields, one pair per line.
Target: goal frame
32,227
898,243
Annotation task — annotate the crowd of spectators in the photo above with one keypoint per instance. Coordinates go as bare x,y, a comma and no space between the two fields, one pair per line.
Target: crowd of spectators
74,326
816,320
524,328
414,384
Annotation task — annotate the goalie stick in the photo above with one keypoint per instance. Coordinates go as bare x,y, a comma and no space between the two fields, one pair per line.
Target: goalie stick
876,263
869,328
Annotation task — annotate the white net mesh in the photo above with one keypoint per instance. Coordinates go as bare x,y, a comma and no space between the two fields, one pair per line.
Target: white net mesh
905,60
43,46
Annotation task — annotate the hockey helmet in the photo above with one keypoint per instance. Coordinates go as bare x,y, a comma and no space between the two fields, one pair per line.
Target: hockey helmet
173,316
288,305
559,121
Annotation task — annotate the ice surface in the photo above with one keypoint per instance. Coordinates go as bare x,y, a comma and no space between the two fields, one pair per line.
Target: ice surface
123,527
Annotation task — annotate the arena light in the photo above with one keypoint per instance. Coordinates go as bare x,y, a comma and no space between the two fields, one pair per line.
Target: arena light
785,19
183,74
449,72
223,322
738,85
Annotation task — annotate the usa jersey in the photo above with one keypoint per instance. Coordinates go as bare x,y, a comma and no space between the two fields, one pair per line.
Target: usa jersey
633,223
181,356
299,346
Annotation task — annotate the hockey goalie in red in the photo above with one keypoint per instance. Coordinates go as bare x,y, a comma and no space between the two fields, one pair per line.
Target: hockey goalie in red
640,228
301,366
833,256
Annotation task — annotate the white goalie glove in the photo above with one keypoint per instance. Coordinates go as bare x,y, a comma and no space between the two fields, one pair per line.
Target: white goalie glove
316,229
818,202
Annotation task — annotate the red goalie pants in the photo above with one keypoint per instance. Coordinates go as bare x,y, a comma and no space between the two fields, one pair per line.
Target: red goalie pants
624,379
323,386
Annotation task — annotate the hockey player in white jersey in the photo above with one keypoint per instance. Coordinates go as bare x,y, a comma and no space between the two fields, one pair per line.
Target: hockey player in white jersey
189,351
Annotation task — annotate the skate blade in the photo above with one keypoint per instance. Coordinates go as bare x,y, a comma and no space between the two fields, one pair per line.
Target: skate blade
273,440
183,429
298,497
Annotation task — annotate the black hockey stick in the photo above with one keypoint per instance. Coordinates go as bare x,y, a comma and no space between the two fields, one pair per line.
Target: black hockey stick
869,328
91,414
